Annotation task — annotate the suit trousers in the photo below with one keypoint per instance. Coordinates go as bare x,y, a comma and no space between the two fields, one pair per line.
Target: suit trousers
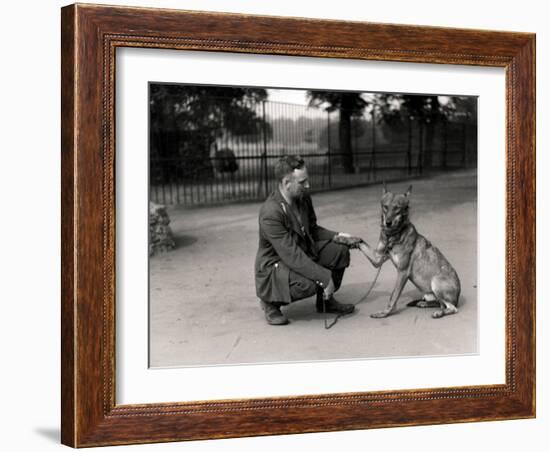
334,256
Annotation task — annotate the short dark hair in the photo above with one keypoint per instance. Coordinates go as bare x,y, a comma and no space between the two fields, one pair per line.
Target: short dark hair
287,164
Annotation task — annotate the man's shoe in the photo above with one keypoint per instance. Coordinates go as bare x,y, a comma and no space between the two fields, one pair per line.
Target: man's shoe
333,306
273,313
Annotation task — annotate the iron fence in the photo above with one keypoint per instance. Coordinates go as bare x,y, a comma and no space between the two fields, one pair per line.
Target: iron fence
238,167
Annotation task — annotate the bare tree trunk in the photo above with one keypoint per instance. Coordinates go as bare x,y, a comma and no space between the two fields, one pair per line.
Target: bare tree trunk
345,138
428,150
420,160
169,140
432,119
445,145
409,146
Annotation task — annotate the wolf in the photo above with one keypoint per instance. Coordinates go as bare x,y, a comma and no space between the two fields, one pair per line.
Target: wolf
414,257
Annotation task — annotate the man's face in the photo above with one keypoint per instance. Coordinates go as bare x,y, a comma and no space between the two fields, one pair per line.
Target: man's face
297,183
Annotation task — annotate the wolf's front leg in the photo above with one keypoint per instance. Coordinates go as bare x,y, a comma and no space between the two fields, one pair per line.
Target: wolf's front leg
375,256
399,285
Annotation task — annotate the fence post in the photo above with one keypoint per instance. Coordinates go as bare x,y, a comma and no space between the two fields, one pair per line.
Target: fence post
465,145
444,163
420,146
329,165
409,146
373,153
264,129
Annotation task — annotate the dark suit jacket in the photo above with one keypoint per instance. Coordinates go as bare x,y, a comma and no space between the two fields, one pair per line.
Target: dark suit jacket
286,244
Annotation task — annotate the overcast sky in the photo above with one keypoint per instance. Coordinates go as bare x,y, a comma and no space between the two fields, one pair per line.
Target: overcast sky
291,96
298,96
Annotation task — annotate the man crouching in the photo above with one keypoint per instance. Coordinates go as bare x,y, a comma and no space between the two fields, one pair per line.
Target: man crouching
296,257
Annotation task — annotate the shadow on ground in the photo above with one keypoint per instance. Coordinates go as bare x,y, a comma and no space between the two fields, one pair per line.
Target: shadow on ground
184,240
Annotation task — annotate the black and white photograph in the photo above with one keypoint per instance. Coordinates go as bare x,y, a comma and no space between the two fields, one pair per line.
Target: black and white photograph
242,226
295,225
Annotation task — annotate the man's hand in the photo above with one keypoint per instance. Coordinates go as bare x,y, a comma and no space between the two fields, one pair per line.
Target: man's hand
344,238
329,290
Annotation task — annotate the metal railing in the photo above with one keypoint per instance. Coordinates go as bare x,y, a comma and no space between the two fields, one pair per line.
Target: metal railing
239,168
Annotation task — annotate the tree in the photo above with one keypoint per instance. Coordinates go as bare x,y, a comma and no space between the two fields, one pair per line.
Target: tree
186,120
350,105
463,110
460,108
398,109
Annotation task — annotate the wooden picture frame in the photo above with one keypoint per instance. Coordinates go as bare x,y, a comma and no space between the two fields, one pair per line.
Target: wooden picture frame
90,36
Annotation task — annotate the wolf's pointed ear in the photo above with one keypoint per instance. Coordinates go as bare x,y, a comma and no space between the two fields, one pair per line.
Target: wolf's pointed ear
409,190
384,188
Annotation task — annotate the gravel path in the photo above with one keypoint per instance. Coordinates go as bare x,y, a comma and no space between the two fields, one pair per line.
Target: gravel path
204,310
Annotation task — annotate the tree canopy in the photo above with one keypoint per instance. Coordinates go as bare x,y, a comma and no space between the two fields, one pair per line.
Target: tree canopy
349,104
187,119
